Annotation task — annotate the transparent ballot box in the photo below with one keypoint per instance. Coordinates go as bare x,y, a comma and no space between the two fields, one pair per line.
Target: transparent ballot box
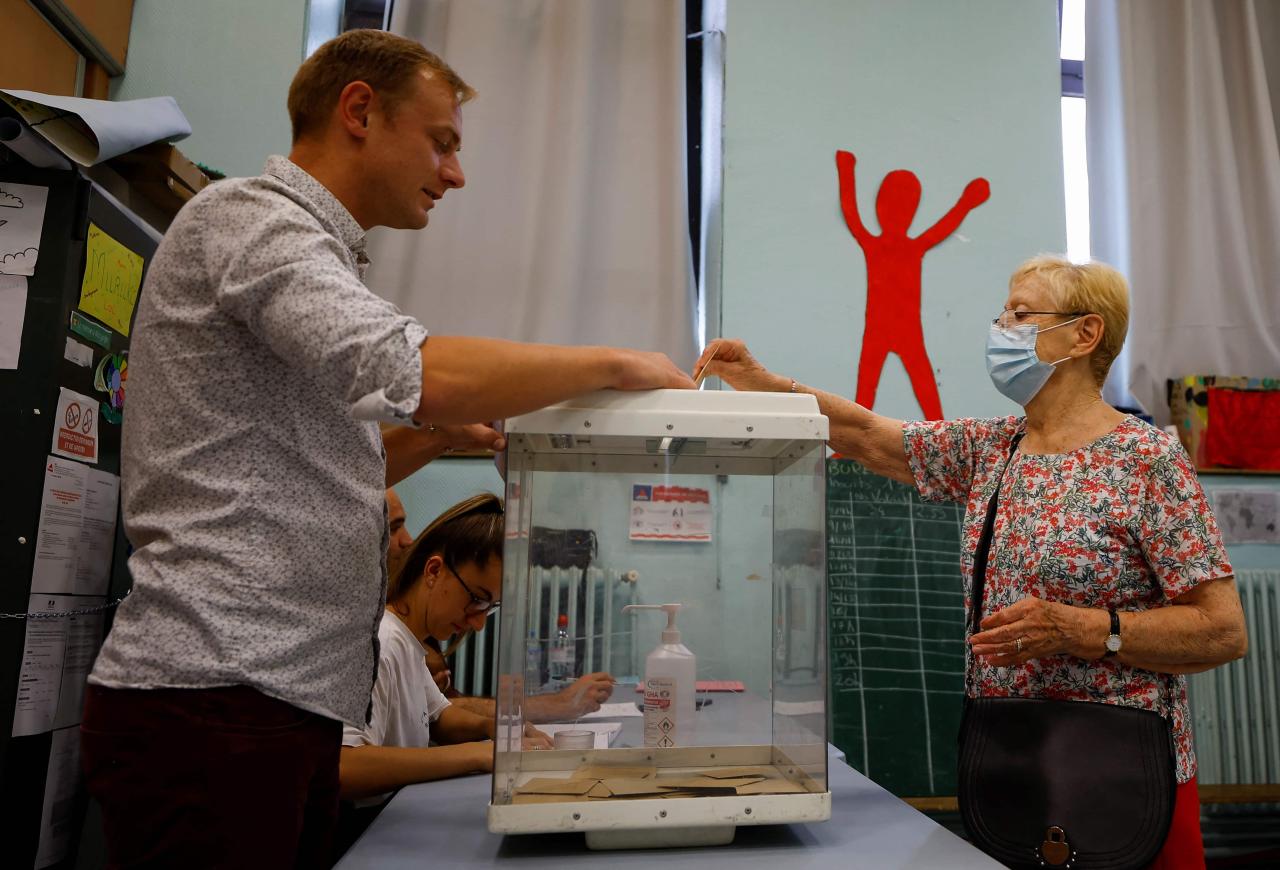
705,509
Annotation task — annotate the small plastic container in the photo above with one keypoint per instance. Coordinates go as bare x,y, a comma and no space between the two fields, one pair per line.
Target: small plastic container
574,740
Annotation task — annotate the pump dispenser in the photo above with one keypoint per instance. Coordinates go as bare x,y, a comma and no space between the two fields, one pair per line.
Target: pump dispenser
670,683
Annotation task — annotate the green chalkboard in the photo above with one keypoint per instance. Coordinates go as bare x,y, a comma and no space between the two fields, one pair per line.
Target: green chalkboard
896,630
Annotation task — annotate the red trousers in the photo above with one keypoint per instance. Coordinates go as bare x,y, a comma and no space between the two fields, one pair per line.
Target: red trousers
1184,847
210,777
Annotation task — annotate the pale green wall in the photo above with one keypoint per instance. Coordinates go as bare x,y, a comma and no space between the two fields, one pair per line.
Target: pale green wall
948,90
228,64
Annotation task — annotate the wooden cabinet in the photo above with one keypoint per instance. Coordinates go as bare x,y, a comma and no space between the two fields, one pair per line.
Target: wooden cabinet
65,47
36,56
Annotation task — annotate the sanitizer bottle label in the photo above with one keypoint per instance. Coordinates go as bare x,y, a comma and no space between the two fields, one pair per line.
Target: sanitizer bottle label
660,726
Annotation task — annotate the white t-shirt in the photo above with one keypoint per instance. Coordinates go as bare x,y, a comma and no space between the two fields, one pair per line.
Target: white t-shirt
405,698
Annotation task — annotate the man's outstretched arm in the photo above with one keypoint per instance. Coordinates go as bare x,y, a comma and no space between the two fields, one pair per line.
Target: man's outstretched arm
469,380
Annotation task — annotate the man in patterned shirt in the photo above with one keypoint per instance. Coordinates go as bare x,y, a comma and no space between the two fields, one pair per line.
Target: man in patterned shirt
254,469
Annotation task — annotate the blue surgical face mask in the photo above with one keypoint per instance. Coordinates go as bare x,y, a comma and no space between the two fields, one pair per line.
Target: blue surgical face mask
1015,368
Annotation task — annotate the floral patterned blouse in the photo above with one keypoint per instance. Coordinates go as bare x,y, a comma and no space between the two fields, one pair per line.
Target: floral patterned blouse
1121,522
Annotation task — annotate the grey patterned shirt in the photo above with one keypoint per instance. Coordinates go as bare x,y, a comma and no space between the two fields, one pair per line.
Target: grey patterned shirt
253,470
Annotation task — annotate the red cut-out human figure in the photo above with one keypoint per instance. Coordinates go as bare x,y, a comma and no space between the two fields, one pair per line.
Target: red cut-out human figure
893,277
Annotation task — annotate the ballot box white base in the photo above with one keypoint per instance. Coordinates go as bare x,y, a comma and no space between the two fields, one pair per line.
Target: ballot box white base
661,822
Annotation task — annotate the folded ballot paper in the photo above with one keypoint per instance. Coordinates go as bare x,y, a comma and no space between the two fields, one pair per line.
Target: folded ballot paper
91,131
610,782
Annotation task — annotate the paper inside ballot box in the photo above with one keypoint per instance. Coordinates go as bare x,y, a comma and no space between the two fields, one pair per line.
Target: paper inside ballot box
606,771
557,786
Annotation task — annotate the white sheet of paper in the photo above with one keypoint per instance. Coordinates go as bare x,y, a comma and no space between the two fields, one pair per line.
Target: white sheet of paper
21,219
117,125
620,710
13,311
40,680
83,638
80,354
77,529
61,516
61,781
75,426
605,731
97,533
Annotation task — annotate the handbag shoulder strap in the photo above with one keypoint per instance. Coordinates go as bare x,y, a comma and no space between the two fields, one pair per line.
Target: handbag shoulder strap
983,549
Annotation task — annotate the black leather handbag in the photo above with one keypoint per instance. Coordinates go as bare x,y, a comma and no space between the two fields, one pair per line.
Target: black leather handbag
1074,784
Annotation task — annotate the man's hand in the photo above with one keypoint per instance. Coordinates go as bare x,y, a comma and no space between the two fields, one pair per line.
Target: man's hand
584,695
475,436
643,370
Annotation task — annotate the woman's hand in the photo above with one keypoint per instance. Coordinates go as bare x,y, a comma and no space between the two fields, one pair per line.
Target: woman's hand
1029,629
535,739
729,360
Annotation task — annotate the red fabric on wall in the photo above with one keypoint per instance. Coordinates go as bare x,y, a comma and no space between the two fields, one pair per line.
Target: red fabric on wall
1243,430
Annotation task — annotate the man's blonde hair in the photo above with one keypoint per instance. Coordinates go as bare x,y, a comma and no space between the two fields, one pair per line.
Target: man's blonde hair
385,62
1093,288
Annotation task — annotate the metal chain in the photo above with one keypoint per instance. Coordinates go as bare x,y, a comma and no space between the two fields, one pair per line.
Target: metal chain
83,611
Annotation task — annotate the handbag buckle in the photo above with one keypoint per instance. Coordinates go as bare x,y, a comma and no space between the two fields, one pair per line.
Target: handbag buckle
1055,851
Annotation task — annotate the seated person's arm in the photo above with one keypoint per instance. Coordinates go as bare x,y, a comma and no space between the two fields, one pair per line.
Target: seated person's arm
583,696
456,725
366,771
485,707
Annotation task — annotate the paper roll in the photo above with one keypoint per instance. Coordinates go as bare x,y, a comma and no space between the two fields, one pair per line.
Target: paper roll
18,138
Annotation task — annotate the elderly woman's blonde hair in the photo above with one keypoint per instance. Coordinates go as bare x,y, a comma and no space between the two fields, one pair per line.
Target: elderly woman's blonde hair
1094,288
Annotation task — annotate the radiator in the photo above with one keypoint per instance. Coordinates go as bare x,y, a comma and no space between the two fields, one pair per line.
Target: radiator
1235,709
603,639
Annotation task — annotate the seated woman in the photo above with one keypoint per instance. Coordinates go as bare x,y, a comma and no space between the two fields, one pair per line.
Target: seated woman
447,582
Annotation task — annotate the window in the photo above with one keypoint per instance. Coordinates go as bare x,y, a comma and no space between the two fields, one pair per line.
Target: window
1075,170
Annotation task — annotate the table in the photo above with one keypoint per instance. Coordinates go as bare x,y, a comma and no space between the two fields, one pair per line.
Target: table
442,824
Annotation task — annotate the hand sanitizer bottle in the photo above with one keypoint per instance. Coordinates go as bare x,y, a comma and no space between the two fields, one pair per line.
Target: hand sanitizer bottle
670,683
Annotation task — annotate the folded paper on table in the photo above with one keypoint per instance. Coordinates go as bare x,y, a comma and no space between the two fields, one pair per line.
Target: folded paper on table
620,710
91,131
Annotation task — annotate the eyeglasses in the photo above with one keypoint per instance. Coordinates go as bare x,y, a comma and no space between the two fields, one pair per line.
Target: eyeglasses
1010,317
477,604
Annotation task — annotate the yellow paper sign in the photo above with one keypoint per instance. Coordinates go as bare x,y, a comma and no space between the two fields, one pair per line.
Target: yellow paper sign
112,277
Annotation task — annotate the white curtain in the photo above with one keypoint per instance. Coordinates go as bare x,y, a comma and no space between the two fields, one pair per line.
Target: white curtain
1184,183
573,224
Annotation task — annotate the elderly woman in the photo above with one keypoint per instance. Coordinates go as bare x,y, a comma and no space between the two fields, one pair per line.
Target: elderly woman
1107,570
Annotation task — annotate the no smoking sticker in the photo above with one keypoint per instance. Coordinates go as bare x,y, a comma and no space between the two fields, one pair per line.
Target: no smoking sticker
76,433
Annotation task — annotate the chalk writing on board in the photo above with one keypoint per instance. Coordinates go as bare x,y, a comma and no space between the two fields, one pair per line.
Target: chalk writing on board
896,630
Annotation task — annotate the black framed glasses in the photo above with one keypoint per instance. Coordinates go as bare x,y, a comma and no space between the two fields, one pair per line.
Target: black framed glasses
477,604
1012,317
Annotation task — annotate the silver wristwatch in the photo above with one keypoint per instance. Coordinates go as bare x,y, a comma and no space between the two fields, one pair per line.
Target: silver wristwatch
1113,640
